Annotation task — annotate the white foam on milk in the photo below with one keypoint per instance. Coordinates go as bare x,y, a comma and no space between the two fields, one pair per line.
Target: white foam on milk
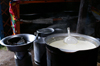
81,45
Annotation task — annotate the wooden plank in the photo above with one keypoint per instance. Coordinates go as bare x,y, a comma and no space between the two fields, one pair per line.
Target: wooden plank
48,1
18,22
53,1
63,1
26,2
72,0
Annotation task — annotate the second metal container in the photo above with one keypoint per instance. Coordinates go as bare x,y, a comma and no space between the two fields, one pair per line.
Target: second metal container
40,46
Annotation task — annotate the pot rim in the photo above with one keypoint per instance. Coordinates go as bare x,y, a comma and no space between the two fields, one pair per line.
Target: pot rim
73,34
17,35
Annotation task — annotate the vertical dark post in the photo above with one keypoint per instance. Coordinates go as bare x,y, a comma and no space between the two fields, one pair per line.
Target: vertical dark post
82,16
18,22
1,24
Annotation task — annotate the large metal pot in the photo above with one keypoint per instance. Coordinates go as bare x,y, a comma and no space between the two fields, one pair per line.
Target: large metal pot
63,57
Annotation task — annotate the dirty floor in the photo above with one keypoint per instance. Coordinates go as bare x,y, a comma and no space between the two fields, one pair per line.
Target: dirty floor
6,58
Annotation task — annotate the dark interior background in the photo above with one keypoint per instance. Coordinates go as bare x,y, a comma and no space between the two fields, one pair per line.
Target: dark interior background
67,11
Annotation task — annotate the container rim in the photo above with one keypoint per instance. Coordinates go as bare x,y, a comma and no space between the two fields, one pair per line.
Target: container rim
73,34
17,35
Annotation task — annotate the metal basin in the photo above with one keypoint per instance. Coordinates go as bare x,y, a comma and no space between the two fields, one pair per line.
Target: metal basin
29,38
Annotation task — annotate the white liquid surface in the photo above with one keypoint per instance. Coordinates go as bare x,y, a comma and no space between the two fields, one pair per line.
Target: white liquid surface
81,45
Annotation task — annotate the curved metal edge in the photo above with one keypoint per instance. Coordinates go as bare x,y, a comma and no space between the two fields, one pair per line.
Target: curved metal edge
52,30
73,34
17,35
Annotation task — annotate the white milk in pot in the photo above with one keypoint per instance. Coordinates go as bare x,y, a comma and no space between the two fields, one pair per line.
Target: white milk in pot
80,45
72,43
